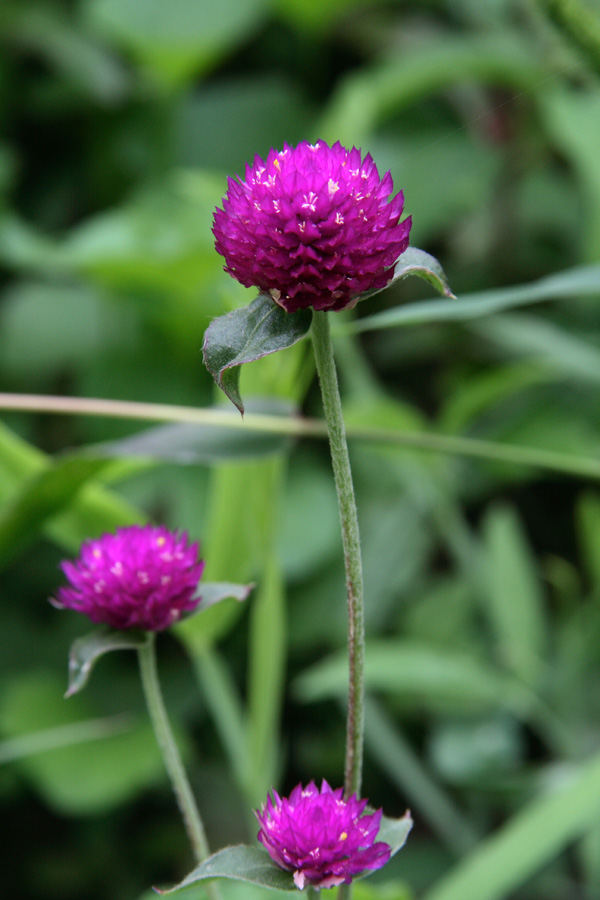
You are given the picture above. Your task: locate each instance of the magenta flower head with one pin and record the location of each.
(312, 225)
(320, 837)
(141, 577)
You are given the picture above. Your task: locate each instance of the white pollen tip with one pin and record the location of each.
(332, 187)
(299, 879)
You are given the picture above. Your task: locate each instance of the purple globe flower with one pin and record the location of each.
(312, 225)
(141, 577)
(320, 837)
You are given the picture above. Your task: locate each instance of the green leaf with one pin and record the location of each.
(214, 592)
(416, 674)
(176, 40)
(528, 841)
(78, 778)
(82, 732)
(581, 281)
(248, 334)
(543, 341)
(395, 831)
(188, 443)
(515, 601)
(40, 498)
(249, 864)
(588, 522)
(92, 511)
(254, 865)
(417, 262)
(86, 650)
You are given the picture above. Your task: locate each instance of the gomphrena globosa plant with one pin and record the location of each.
(316, 229)
(313, 226)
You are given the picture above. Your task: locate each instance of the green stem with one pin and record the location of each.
(171, 755)
(332, 406)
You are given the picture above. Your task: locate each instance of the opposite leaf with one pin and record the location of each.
(247, 334)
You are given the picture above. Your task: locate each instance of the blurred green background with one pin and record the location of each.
(120, 120)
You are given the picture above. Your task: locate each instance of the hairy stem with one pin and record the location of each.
(332, 406)
(172, 758)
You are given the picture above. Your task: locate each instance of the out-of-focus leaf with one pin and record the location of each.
(238, 534)
(389, 749)
(247, 334)
(188, 443)
(416, 675)
(41, 498)
(158, 241)
(222, 126)
(62, 736)
(309, 530)
(84, 62)
(76, 779)
(266, 677)
(544, 341)
(572, 283)
(573, 117)
(476, 395)
(588, 521)
(317, 14)
(529, 840)
(464, 752)
(513, 594)
(57, 325)
(93, 510)
(177, 40)
(86, 651)
(365, 97)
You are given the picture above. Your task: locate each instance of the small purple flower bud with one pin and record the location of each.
(312, 226)
(141, 577)
(320, 837)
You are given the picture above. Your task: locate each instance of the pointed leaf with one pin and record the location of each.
(247, 334)
(214, 592)
(395, 831)
(241, 863)
(417, 262)
(86, 650)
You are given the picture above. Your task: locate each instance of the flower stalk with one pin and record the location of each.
(171, 756)
(332, 405)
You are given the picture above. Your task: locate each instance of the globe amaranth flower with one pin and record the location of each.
(313, 226)
(140, 577)
(320, 837)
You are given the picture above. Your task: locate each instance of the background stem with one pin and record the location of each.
(332, 406)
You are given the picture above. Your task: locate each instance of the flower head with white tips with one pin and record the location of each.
(320, 837)
(143, 576)
(313, 226)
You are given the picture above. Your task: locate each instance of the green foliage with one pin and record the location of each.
(473, 432)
